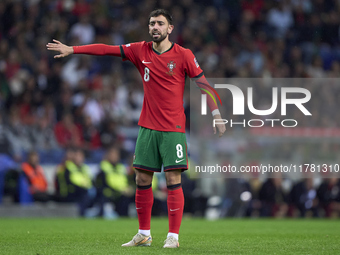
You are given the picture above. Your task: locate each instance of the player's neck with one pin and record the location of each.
(162, 46)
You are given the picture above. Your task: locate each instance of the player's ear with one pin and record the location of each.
(170, 28)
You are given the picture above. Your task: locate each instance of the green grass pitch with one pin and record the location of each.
(197, 236)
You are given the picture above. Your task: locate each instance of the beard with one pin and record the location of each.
(160, 38)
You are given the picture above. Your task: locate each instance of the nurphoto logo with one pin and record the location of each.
(239, 105)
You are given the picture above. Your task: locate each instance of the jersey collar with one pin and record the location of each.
(158, 53)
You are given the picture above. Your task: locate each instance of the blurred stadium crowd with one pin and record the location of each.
(94, 103)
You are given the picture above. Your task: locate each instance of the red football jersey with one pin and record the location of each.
(163, 77)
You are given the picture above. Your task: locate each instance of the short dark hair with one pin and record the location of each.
(159, 12)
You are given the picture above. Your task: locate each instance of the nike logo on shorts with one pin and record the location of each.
(177, 161)
(146, 62)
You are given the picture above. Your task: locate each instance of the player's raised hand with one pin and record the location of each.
(220, 126)
(63, 49)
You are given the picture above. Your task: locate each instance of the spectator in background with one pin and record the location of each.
(5, 146)
(280, 19)
(93, 108)
(272, 198)
(18, 134)
(61, 190)
(74, 182)
(108, 134)
(75, 70)
(193, 199)
(64, 102)
(329, 196)
(90, 135)
(25, 108)
(13, 63)
(36, 177)
(315, 70)
(83, 30)
(113, 184)
(52, 86)
(251, 55)
(43, 136)
(67, 132)
(81, 7)
(234, 205)
(133, 105)
(253, 8)
(48, 112)
(303, 197)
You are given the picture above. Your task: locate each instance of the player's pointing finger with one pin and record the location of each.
(54, 40)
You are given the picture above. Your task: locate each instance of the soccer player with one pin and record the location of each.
(163, 66)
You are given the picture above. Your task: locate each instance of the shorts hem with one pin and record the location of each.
(180, 167)
(145, 168)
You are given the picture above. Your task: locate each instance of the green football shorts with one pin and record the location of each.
(154, 148)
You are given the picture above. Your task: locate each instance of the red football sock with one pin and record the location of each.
(175, 208)
(144, 202)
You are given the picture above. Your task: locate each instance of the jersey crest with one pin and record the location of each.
(171, 66)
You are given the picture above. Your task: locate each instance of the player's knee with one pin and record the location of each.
(173, 177)
(143, 178)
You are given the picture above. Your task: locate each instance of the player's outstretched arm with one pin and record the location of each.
(63, 49)
(90, 49)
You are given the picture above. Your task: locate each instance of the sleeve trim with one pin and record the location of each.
(122, 52)
(198, 76)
